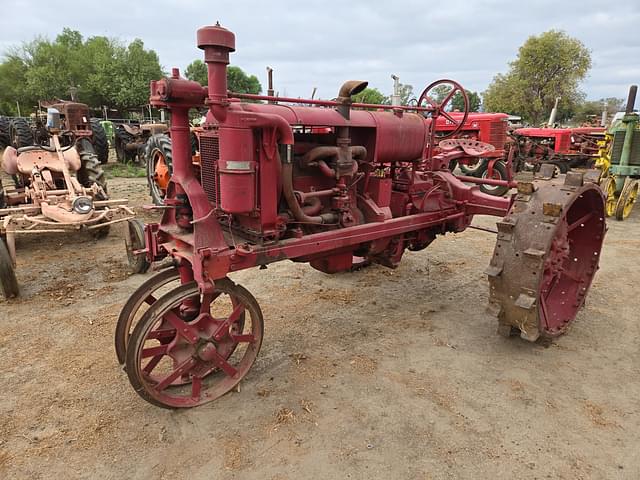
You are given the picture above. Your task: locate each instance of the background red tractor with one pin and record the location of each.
(564, 148)
(488, 128)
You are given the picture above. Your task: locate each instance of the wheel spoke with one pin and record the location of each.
(449, 96)
(244, 338)
(186, 331)
(580, 221)
(196, 387)
(432, 102)
(160, 334)
(235, 315)
(153, 363)
(225, 366)
(158, 350)
(207, 300)
(180, 370)
(449, 117)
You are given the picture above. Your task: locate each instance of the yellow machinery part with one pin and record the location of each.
(628, 197)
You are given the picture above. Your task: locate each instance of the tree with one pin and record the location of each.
(406, 93)
(197, 71)
(547, 66)
(592, 109)
(370, 95)
(457, 102)
(104, 71)
(237, 80)
(240, 82)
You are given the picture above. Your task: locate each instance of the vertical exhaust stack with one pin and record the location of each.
(217, 42)
(631, 99)
(554, 113)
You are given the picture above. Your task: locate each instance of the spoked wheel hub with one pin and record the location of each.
(546, 256)
(177, 359)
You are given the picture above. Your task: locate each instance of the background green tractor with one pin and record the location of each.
(620, 161)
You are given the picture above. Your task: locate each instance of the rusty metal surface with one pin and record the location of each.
(546, 255)
(471, 147)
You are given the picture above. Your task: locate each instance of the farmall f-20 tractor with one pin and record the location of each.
(323, 183)
(57, 187)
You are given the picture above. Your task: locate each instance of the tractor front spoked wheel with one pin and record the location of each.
(545, 258)
(138, 303)
(190, 348)
(627, 198)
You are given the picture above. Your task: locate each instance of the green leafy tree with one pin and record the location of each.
(547, 66)
(371, 95)
(197, 71)
(457, 102)
(238, 81)
(406, 93)
(104, 71)
(591, 110)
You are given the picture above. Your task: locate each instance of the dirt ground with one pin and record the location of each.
(373, 374)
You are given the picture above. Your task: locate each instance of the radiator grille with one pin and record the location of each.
(563, 143)
(209, 156)
(618, 142)
(498, 134)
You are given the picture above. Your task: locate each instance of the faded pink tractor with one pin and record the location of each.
(55, 187)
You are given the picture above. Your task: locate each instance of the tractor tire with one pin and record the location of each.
(5, 139)
(20, 133)
(99, 140)
(8, 280)
(90, 170)
(121, 140)
(474, 170)
(195, 143)
(134, 240)
(499, 173)
(158, 149)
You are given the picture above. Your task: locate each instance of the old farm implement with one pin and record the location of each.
(56, 187)
(325, 182)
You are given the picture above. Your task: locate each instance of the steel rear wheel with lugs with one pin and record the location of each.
(190, 348)
(546, 256)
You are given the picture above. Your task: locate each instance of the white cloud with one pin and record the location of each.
(324, 43)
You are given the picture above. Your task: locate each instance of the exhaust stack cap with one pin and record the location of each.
(216, 41)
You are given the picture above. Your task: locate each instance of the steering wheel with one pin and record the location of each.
(65, 133)
(439, 109)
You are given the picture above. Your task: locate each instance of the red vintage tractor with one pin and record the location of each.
(325, 183)
(488, 128)
(564, 148)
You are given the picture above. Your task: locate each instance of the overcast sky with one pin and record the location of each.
(321, 44)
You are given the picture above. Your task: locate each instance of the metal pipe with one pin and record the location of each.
(631, 99)
(327, 103)
(255, 119)
(292, 201)
(487, 181)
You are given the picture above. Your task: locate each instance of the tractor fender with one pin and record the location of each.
(10, 161)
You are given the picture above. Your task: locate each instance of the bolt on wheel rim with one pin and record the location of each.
(190, 348)
(571, 264)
